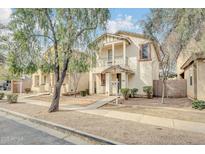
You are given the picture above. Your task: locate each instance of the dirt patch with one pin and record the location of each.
(70, 100)
(119, 130)
(160, 112)
(156, 102)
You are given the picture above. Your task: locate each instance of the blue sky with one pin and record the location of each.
(136, 13)
(126, 19)
(121, 19)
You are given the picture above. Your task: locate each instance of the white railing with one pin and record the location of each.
(102, 62)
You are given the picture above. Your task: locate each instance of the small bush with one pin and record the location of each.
(27, 90)
(1, 96)
(148, 90)
(198, 104)
(87, 91)
(83, 93)
(12, 98)
(133, 92)
(125, 93)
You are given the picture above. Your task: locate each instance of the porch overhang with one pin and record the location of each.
(117, 69)
(193, 57)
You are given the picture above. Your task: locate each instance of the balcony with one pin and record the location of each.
(103, 62)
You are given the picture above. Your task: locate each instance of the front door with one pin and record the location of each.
(119, 83)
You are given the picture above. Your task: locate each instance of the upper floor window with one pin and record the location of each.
(145, 52)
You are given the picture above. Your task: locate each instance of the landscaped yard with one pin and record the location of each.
(70, 100)
(119, 130)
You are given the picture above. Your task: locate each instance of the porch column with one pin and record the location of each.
(124, 53)
(33, 80)
(113, 54)
(108, 84)
(91, 83)
(41, 82)
(124, 80)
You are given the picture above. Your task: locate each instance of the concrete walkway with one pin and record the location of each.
(145, 119)
(100, 103)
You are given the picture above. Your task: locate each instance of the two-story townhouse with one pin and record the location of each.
(124, 60)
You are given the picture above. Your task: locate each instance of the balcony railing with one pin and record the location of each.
(102, 62)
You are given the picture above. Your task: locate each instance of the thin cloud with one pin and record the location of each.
(5, 16)
(123, 22)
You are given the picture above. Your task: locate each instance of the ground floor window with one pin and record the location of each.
(45, 79)
(190, 80)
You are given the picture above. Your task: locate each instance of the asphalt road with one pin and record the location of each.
(14, 133)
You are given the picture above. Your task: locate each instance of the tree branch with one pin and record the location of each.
(85, 29)
(39, 35)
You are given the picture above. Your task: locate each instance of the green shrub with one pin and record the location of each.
(83, 93)
(198, 104)
(27, 90)
(12, 98)
(133, 92)
(125, 93)
(87, 91)
(1, 96)
(148, 90)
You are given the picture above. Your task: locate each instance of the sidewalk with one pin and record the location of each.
(145, 119)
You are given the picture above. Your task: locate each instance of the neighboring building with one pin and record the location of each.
(124, 60)
(44, 82)
(191, 66)
(19, 85)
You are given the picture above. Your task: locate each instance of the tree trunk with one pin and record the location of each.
(163, 91)
(56, 97)
(57, 89)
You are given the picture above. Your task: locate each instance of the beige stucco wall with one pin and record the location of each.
(48, 84)
(174, 88)
(198, 81)
(83, 82)
(201, 80)
(185, 54)
(182, 58)
(190, 88)
(145, 71)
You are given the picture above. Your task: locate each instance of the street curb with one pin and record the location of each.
(62, 128)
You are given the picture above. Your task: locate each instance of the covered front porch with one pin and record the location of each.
(110, 80)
